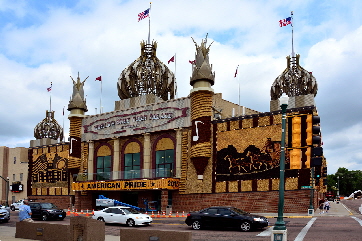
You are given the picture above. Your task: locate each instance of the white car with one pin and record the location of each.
(122, 215)
(4, 214)
(16, 205)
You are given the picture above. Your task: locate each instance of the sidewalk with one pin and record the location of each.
(8, 234)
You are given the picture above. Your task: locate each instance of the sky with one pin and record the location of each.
(44, 42)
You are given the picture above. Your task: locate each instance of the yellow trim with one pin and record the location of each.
(165, 183)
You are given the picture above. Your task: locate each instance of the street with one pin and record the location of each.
(336, 225)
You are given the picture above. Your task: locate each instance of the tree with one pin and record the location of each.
(349, 181)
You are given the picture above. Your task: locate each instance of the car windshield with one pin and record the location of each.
(48, 205)
(238, 211)
(130, 211)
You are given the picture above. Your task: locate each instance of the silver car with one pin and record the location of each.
(4, 214)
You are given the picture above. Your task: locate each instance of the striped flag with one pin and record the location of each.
(285, 22)
(143, 14)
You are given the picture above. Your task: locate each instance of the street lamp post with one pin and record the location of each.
(280, 230)
(6, 190)
(338, 187)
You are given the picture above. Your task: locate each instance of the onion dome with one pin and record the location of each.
(147, 75)
(48, 128)
(294, 81)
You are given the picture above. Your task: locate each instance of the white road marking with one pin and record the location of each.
(358, 220)
(304, 231)
(267, 232)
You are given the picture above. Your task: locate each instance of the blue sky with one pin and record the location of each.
(48, 41)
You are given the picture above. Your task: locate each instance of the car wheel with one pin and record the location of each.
(12, 208)
(100, 219)
(44, 217)
(245, 226)
(196, 225)
(130, 223)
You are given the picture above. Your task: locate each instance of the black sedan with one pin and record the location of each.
(46, 211)
(225, 217)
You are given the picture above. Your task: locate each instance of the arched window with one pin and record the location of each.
(164, 162)
(132, 163)
(103, 163)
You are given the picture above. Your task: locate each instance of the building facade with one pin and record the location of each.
(157, 152)
(14, 173)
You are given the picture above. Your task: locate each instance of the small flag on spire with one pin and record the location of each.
(99, 78)
(172, 59)
(285, 22)
(236, 71)
(192, 61)
(143, 14)
(50, 88)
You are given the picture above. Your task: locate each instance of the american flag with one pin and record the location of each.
(143, 14)
(285, 22)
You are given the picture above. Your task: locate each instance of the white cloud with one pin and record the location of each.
(102, 38)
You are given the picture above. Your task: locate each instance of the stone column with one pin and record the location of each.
(178, 152)
(147, 165)
(90, 160)
(116, 160)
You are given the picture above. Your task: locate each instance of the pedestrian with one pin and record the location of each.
(321, 206)
(326, 205)
(25, 212)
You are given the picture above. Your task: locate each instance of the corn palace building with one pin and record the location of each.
(155, 151)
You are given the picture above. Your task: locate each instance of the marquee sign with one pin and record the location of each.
(166, 183)
(131, 122)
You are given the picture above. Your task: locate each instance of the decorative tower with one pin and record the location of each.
(77, 107)
(297, 83)
(201, 109)
(146, 76)
(47, 132)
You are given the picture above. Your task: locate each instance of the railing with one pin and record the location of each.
(126, 175)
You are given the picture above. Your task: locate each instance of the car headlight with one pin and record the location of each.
(51, 211)
(258, 219)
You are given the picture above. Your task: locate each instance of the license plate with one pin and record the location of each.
(60, 216)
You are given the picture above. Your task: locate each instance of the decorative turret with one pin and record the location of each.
(202, 75)
(296, 82)
(147, 75)
(77, 105)
(201, 111)
(48, 128)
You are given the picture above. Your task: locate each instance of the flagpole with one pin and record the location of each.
(292, 36)
(63, 125)
(50, 99)
(149, 25)
(100, 103)
(174, 82)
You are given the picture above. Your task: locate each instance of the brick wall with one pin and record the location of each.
(296, 201)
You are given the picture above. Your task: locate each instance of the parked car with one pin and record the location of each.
(15, 206)
(46, 211)
(122, 215)
(225, 217)
(4, 214)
